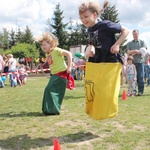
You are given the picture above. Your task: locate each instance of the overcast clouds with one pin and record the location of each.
(134, 14)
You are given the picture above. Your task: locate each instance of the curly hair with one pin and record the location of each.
(50, 38)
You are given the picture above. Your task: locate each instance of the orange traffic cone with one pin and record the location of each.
(56, 144)
(124, 95)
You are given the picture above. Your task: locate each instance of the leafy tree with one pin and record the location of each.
(1, 51)
(77, 34)
(4, 41)
(1, 40)
(22, 50)
(83, 35)
(12, 38)
(19, 36)
(41, 52)
(27, 36)
(59, 27)
(110, 13)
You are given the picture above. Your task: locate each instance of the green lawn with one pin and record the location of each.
(24, 127)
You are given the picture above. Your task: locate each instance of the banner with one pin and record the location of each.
(102, 85)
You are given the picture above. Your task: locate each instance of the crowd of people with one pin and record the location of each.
(13, 71)
(78, 68)
(136, 68)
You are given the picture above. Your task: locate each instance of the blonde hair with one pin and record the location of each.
(50, 38)
(92, 7)
(10, 55)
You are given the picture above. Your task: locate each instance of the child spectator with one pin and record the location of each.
(131, 76)
(80, 71)
(23, 75)
(16, 78)
(73, 68)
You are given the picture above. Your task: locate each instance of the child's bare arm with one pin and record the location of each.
(123, 35)
(69, 57)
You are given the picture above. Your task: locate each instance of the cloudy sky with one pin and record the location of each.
(134, 14)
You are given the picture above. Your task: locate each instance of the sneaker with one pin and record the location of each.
(132, 94)
(140, 94)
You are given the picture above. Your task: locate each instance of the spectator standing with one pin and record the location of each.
(147, 69)
(146, 65)
(6, 68)
(133, 50)
(80, 71)
(12, 63)
(131, 76)
(73, 68)
(1, 64)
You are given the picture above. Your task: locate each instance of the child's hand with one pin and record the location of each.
(90, 51)
(114, 49)
(68, 69)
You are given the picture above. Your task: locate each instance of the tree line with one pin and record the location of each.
(22, 44)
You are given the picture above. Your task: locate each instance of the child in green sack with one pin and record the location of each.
(56, 87)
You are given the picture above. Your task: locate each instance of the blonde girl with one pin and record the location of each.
(56, 87)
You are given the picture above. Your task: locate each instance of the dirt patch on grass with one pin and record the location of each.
(139, 127)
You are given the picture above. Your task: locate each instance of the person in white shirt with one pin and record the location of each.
(1, 64)
(12, 69)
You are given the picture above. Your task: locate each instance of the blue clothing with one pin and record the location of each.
(73, 72)
(1, 83)
(102, 37)
(13, 81)
(140, 76)
(80, 73)
(148, 73)
(146, 67)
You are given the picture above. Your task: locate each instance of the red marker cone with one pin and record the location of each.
(56, 144)
(124, 95)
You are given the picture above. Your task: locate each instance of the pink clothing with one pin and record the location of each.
(80, 62)
(1, 63)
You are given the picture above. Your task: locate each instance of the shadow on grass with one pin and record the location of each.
(26, 142)
(22, 114)
(73, 97)
(120, 96)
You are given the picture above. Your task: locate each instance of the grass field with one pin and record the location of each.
(24, 127)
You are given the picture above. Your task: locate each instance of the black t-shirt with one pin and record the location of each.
(102, 36)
